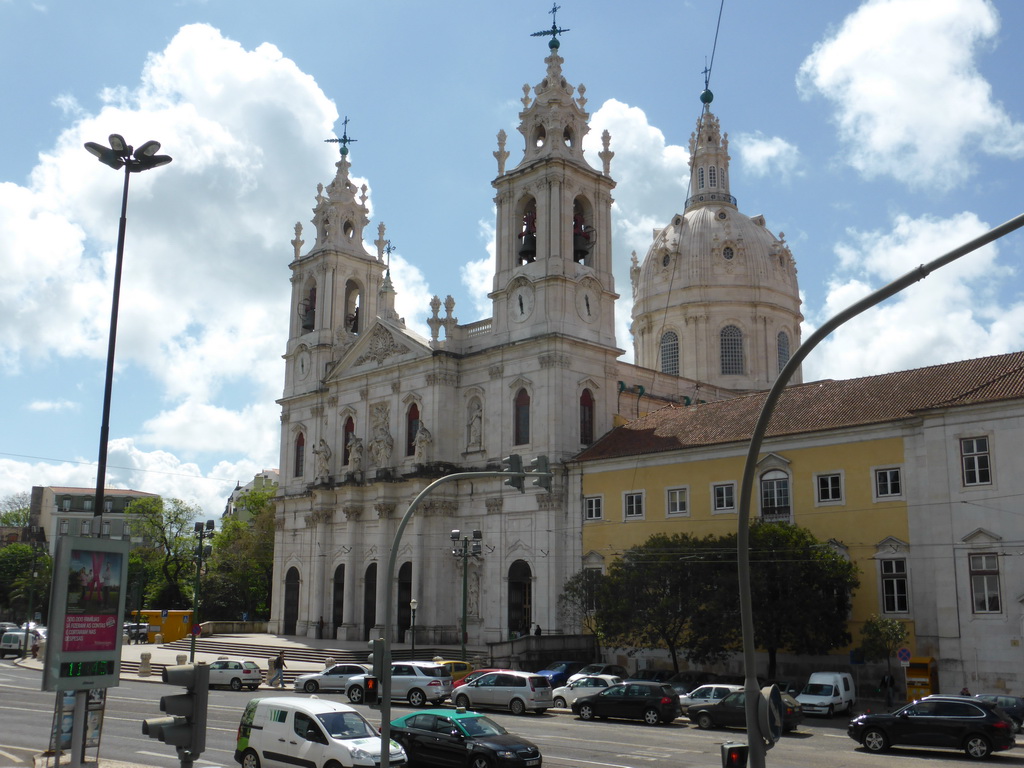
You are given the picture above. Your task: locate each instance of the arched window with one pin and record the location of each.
(307, 309)
(712, 178)
(412, 426)
(349, 431)
(586, 417)
(700, 178)
(775, 503)
(782, 345)
(353, 302)
(731, 340)
(670, 353)
(520, 597)
(300, 455)
(521, 427)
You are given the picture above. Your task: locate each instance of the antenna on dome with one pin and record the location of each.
(344, 140)
(555, 30)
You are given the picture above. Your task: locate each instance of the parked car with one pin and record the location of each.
(1011, 705)
(458, 669)
(136, 631)
(476, 674)
(827, 693)
(278, 731)
(976, 726)
(513, 690)
(653, 675)
(334, 678)
(582, 686)
(599, 669)
(442, 737)
(730, 712)
(415, 681)
(558, 671)
(12, 643)
(707, 694)
(236, 675)
(636, 700)
(7, 626)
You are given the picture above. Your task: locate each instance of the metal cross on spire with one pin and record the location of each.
(387, 250)
(344, 140)
(555, 30)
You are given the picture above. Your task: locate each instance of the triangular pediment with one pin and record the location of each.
(382, 344)
(982, 537)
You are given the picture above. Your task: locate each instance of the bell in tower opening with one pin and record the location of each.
(528, 248)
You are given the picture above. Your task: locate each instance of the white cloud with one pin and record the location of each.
(953, 314)
(53, 405)
(478, 275)
(909, 100)
(764, 155)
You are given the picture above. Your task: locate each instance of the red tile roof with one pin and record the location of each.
(819, 406)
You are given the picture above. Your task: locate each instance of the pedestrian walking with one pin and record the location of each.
(888, 689)
(277, 667)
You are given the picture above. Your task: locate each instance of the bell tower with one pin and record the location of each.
(337, 286)
(553, 240)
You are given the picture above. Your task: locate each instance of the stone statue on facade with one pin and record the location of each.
(421, 444)
(475, 426)
(355, 453)
(323, 455)
(383, 442)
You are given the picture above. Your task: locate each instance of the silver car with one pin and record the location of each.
(236, 674)
(415, 681)
(334, 678)
(515, 691)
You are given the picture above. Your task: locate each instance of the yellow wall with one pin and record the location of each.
(859, 523)
(177, 625)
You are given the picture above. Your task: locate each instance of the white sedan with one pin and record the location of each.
(236, 674)
(707, 694)
(584, 686)
(334, 678)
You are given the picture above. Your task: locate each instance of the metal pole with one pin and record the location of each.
(755, 739)
(195, 597)
(413, 630)
(465, 591)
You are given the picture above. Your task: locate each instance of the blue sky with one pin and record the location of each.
(876, 135)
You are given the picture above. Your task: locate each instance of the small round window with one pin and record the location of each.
(721, 214)
(727, 252)
(665, 260)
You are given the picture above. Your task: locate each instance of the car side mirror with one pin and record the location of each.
(456, 733)
(904, 714)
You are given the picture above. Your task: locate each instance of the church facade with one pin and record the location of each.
(373, 412)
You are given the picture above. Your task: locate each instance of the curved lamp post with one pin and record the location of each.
(412, 607)
(118, 155)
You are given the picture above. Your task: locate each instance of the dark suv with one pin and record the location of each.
(954, 722)
(636, 700)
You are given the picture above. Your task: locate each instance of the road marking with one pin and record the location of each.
(9, 756)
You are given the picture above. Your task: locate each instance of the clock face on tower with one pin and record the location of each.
(302, 364)
(520, 305)
(588, 303)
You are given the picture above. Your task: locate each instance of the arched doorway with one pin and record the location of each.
(369, 600)
(404, 596)
(338, 602)
(520, 598)
(291, 601)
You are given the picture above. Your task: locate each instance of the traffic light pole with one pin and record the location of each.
(185, 726)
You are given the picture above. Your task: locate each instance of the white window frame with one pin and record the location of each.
(672, 496)
(886, 574)
(975, 461)
(876, 471)
(85, 528)
(983, 570)
(829, 502)
(106, 529)
(761, 480)
(593, 508)
(63, 527)
(720, 510)
(628, 497)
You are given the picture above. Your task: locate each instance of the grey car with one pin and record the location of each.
(415, 681)
(335, 678)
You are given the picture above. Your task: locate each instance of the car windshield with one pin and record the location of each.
(817, 689)
(558, 666)
(346, 725)
(480, 726)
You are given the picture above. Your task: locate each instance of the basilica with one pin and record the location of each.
(372, 412)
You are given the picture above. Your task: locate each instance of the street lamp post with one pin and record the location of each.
(412, 629)
(207, 532)
(36, 537)
(118, 155)
(469, 548)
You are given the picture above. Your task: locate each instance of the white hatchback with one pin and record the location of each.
(582, 686)
(236, 675)
(707, 694)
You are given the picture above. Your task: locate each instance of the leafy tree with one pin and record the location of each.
(240, 571)
(882, 638)
(14, 509)
(577, 605)
(16, 576)
(169, 551)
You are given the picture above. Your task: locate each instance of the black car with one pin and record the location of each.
(953, 722)
(730, 712)
(1011, 705)
(636, 700)
(446, 737)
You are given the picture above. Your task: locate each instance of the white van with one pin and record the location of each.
(827, 693)
(279, 732)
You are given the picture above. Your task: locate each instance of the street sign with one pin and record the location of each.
(197, 629)
(903, 654)
(769, 712)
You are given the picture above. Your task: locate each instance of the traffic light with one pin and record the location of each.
(542, 473)
(372, 691)
(734, 755)
(513, 464)
(185, 729)
(371, 688)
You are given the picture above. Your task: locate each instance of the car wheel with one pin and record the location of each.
(479, 761)
(977, 747)
(704, 721)
(831, 711)
(559, 702)
(254, 687)
(250, 759)
(516, 706)
(236, 684)
(310, 686)
(462, 700)
(875, 740)
(355, 694)
(416, 698)
(586, 712)
(652, 716)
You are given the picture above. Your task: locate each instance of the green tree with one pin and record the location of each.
(882, 638)
(16, 578)
(168, 554)
(577, 605)
(14, 509)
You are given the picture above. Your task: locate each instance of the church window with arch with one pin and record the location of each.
(731, 342)
(670, 353)
(775, 499)
(307, 308)
(712, 176)
(700, 178)
(300, 455)
(586, 417)
(412, 426)
(521, 425)
(782, 347)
